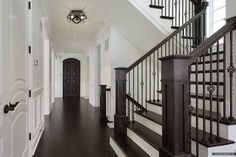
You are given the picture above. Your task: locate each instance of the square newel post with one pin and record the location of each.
(120, 119)
(175, 111)
(103, 116)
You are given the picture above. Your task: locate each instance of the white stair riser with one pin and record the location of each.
(154, 108)
(150, 150)
(223, 128)
(226, 132)
(116, 148)
(149, 124)
(207, 152)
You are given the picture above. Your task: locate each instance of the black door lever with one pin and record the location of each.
(14, 105)
(8, 108)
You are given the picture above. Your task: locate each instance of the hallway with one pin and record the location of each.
(73, 130)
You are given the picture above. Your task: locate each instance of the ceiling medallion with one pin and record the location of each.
(76, 16)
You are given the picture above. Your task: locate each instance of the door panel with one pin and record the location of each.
(13, 82)
(71, 78)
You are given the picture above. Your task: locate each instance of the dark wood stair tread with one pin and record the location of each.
(200, 113)
(151, 116)
(209, 62)
(207, 114)
(222, 141)
(155, 102)
(146, 134)
(167, 17)
(207, 143)
(207, 97)
(207, 71)
(156, 6)
(175, 27)
(187, 37)
(213, 53)
(128, 147)
(208, 83)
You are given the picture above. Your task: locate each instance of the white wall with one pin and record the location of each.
(59, 57)
(230, 8)
(99, 66)
(121, 53)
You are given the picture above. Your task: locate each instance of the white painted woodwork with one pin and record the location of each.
(150, 150)
(37, 118)
(13, 82)
(116, 148)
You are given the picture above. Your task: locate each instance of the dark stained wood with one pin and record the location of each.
(207, 97)
(120, 118)
(73, 130)
(136, 103)
(172, 35)
(146, 134)
(207, 83)
(167, 17)
(103, 105)
(201, 49)
(219, 142)
(156, 6)
(158, 119)
(209, 62)
(71, 78)
(200, 114)
(128, 147)
(175, 110)
(208, 71)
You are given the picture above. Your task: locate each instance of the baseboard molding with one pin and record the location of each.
(37, 136)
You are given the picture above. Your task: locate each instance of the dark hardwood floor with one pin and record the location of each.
(73, 130)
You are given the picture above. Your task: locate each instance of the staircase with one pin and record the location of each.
(178, 99)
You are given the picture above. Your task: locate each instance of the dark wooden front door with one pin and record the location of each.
(71, 78)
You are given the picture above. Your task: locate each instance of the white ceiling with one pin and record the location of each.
(69, 37)
(120, 14)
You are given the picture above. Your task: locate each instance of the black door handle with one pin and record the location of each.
(14, 105)
(8, 108)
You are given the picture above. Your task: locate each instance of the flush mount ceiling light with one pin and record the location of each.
(77, 16)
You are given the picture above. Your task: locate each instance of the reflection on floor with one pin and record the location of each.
(73, 130)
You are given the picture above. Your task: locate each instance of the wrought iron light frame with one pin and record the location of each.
(77, 16)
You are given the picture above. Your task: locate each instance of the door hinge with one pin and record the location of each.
(30, 136)
(29, 5)
(29, 49)
(30, 93)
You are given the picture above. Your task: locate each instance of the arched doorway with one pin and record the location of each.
(71, 78)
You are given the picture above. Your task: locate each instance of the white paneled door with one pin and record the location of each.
(13, 78)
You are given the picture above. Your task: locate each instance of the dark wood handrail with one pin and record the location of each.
(136, 103)
(205, 5)
(202, 48)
